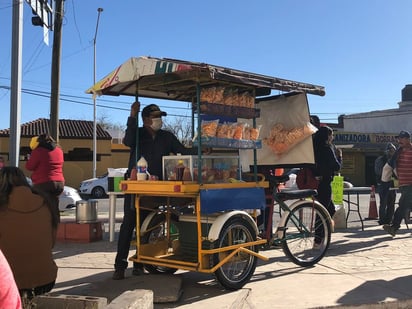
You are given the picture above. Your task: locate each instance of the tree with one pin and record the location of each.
(115, 130)
(180, 126)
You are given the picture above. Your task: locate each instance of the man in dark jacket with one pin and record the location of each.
(154, 143)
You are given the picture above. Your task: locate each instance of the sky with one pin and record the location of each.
(360, 51)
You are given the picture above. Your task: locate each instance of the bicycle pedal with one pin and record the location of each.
(276, 243)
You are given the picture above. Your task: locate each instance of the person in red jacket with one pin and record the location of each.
(46, 164)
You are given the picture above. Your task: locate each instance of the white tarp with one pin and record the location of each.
(291, 111)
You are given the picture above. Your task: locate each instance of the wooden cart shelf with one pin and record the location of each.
(177, 188)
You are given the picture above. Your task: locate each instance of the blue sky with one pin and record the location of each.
(360, 51)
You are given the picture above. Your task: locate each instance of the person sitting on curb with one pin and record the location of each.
(401, 163)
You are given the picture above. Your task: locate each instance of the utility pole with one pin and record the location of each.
(99, 10)
(55, 71)
(15, 96)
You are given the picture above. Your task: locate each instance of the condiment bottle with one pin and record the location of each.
(133, 174)
(141, 169)
(180, 168)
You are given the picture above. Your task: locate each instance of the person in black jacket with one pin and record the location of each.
(154, 143)
(328, 161)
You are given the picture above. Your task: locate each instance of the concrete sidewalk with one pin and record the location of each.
(361, 268)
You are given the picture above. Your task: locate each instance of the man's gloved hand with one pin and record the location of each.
(135, 109)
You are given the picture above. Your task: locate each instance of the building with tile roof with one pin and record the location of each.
(76, 140)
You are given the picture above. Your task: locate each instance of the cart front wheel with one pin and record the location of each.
(307, 234)
(237, 271)
(158, 230)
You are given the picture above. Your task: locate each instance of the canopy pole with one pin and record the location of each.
(199, 134)
(137, 124)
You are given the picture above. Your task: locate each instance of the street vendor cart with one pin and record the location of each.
(216, 230)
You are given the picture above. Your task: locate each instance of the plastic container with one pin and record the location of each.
(141, 169)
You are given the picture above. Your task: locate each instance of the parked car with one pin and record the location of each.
(67, 199)
(98, 187)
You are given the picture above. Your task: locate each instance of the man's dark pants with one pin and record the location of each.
(405, 204)
(126, 232)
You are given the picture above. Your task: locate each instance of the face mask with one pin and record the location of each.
(156, 124)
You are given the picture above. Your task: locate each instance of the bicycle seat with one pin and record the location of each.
(276, 180)
(295, 194)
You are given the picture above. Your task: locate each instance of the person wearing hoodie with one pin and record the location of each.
(28, 229)
(387, 197)
(46, 164)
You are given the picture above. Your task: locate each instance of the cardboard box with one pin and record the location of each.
(79, 232)
(114, 177)
(113, 183)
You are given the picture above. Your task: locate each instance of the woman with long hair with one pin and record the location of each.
(328, 161)
(27, 224)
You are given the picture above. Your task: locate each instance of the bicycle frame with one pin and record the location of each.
(298, 197)
(304, 231)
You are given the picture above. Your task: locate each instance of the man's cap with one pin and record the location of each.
(152, 110)
(390, 146)
(404, 134)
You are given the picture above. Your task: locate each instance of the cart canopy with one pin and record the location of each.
(177, 80)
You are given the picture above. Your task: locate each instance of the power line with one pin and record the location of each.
(104, 103)
(88, 101)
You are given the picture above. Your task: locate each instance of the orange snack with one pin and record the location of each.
(281, 140)
(238, 130)
(209, 128)
(222, 130)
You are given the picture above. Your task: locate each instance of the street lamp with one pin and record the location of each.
(99, 10)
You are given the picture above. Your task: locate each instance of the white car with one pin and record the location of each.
(98, 187)
(68, 198)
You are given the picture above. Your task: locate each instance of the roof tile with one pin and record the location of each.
(73, 129)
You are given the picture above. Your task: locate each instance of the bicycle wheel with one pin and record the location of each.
(307, 234)
(158, 230)
(236, 272)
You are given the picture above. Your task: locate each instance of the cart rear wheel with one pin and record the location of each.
(307, 234)
(237, 271)
(158, 230)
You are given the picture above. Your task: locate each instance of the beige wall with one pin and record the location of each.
(76, 171)
(353, 167)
